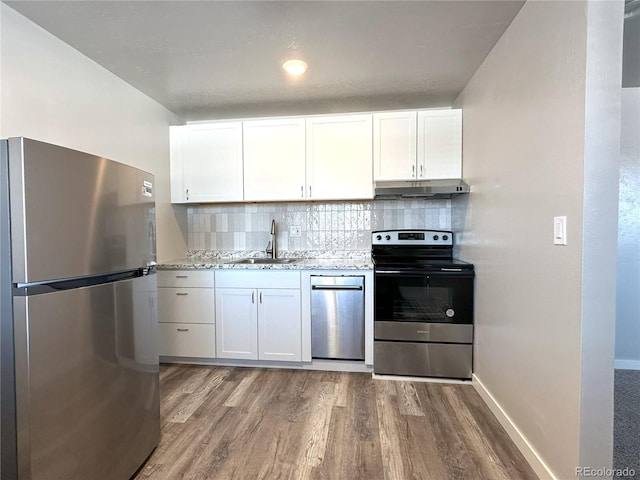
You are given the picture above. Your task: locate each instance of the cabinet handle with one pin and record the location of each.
(253, 297)
(421, 171)
(182, 276)
(260, 297)
(309, 191)
(413, 170)
(187, 193)
(182, 294)
(301, 191)
(182, 329)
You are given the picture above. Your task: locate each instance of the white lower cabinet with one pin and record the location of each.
(186, 314)
(237, 313)
(279, 335)
(259, 323)
(187, 340)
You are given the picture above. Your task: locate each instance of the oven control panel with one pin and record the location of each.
(412, 237)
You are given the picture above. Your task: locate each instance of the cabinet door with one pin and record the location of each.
(212, 162)
(339, 157)
(237, 323)
(439, 144)
(394, 146)
(177, 151)
(274, 159)
(279, 325)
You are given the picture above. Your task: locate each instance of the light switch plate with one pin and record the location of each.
(294, 231)
(560, 230)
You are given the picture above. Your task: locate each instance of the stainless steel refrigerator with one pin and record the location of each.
(79, 370)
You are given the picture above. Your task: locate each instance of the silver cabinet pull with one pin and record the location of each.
(182, 276)
(421, 171)
(309, 191)
(182, 294)
(187, 193)
(253, 297)
(413, 170)
(301, 191)
(182, 329)
(260, 297)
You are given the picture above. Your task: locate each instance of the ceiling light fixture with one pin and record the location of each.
(295, 67)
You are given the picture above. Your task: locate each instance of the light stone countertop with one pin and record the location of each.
(316, 260)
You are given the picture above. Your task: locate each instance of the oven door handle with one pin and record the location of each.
(411, 272)
(428, 273)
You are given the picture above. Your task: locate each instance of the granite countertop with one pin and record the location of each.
(316, 260)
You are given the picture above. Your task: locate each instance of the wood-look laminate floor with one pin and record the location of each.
(223, 423)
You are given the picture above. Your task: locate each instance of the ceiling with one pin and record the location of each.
(222, 59)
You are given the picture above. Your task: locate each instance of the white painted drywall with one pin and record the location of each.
(53, 93)
(605, 22)
(527, 113)
(628, 301)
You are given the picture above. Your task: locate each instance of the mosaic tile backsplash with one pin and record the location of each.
(336, 226)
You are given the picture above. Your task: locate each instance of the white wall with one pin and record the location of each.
(628, 301)
(531, 152)
(53, 93)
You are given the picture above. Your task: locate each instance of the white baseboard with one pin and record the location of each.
(527, 450)
(623, 364)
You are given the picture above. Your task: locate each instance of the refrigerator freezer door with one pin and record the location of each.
(88, 404)
(75, 214)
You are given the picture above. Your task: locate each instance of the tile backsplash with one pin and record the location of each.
(336, 226)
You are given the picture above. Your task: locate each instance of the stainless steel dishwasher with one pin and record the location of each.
(337, 317)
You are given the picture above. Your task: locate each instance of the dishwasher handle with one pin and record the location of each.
(336, 287)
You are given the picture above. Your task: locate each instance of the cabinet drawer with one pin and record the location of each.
(186, 305)
(185, 278)
(186, 340)
(258, 279)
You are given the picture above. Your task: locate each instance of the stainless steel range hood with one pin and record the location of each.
(427, 189)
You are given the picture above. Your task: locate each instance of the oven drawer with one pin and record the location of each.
(423, 359)
(424, 332)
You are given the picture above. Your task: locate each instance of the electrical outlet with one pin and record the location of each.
(295, 231)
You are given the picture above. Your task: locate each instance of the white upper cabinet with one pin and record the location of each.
(439, 144)
(394, 147)
(324, 157)
(177, 147)
(206, 162)
(274, 159)
(423, 145)
(339, 157)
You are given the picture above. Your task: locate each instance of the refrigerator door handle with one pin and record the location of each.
(29, 289)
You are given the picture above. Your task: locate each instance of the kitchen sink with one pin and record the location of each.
(265, 261)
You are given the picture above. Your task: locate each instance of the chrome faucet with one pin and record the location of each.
(272, 246)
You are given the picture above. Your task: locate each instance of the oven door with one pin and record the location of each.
(405, 295)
